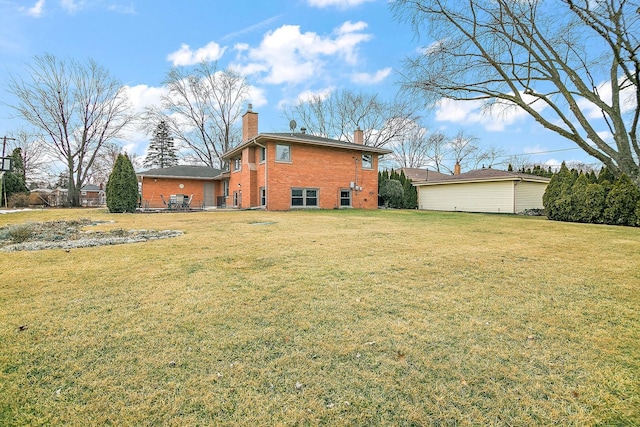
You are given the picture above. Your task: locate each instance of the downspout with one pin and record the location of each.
(515, 184)
(266, 163)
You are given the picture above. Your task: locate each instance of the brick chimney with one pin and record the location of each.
(456, 169)
(249, 124)
(358, 136)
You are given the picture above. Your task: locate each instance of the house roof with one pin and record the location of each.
(482, 175)
(303, 138)
(418, 174)
(90, 187)
(181, 171)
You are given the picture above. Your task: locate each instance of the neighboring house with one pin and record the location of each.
(284, 171)
(160, 184)
(482, 190)
(92, 195)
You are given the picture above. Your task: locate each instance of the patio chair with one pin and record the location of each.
(187, 202)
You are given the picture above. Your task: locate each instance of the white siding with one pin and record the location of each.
(468, 197)
(529, 195)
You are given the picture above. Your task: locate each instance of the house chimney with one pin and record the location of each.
(249, 124)
(456, 169)
(358, 136)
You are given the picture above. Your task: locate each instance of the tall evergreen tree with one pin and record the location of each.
(557, 196)
(162, 151)
(587, 201)
(621, 202)
(122, 187)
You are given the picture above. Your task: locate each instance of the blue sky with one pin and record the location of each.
(286, 48)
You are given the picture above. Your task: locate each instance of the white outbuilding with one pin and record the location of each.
(483, 190)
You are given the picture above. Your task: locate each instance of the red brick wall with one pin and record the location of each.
(325, 168)
(152, 188)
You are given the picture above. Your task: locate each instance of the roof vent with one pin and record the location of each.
(303, 130)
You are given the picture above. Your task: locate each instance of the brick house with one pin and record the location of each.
(284, 171)
(196, 182)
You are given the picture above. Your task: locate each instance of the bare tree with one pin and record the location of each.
(411, 149)
(103, 164)
(79, 108)
(464, 150)
(201, 109)
(34, 151)
(338, 114)
(547, 58)
(489, 157)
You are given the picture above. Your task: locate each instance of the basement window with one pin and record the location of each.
(345, 198)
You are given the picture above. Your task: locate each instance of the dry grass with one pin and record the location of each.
(330, 317)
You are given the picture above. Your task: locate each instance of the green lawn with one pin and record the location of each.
(324, 318)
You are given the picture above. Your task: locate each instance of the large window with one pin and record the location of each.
(304, 197)
(367, 161)
(283, 153)
(345, 198)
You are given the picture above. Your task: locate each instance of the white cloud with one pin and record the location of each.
(35, 11)
(142, 96)
(123, 9)
(494, 117)
(72, 6)
(287, 55)
(185, 56)
(370, 79)
(340, 4)
(257, 97)
(309, 95)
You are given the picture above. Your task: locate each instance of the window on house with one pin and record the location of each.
(283, 153)
(236, 198)
(345, 198)
(304, 197)
(263, 196)
(237, 163)
(262, 154)
(225, 188)
(367, 161)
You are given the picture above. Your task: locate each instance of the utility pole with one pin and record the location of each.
(4, 143)
(2, 167)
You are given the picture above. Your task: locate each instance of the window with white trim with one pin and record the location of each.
(345, 198)
(263, 196)
(304, 197)
(283, 153)
(237, 163)
(367, 161)
(225, 188)
(262, 154)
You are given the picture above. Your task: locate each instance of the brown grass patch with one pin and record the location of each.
(327, 317)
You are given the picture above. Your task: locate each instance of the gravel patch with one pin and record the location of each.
(67, 235)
